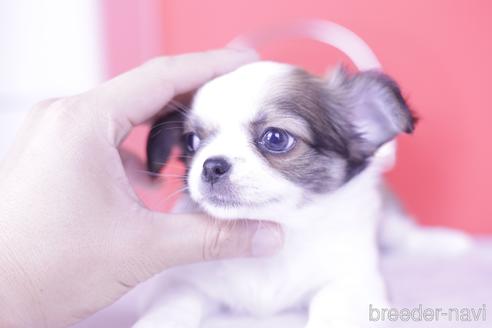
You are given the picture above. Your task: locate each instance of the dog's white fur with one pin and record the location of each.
(329, 262)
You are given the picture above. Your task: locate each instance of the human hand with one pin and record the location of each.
(74, 236)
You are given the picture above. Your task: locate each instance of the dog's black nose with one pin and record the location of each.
(214, 168)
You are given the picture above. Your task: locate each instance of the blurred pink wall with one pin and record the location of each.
(440, 51)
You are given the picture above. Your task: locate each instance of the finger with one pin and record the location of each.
(135, 96)
(170, 240)
(200, 238)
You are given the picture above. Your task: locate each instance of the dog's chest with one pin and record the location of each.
(310, 259)
(264, 286)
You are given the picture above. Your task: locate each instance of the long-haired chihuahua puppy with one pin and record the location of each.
(271, 141)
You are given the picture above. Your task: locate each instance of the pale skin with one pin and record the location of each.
(74, 237)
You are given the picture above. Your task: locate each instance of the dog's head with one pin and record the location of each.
(272, 134)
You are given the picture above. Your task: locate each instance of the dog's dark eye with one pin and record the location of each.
(276, 140)
(192, 142)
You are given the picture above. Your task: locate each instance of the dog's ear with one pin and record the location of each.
(166, 132)
(374, 107)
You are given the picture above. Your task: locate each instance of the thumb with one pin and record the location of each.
(167, 240)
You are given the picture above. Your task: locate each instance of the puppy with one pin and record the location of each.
(271, 141)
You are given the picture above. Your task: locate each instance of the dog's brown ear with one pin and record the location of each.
(166, 132)
(374, 106)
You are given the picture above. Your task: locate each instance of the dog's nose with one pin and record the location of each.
(214, 168)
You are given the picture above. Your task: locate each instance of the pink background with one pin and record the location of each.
(440, 52)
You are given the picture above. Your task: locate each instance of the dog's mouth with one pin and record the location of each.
(230, 201)
(220, 195)
(222, 201)
(233, 204)
(228, 197)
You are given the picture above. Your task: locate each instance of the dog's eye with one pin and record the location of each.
(276, 140)
(192, 142)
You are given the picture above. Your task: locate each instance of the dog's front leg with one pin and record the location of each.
(346, 303)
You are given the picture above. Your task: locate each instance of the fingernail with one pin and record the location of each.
(267, 240)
